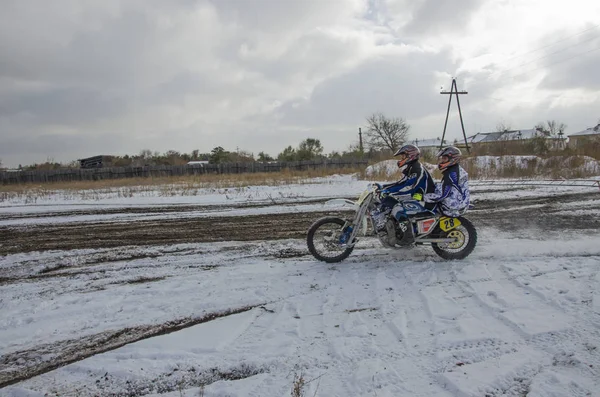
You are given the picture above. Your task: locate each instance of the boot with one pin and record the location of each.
(408, 235)
(380, 218)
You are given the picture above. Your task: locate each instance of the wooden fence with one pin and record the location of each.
(79, 174)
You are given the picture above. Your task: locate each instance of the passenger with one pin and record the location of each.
(451, 194)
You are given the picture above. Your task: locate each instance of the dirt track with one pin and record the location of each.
(537, 212)
(104, 235)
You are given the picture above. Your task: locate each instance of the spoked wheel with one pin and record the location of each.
(466, 236)
(327, 240)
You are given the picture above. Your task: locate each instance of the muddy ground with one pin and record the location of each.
(544, 213)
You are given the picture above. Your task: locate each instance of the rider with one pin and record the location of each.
(416, 182)
(452, 193)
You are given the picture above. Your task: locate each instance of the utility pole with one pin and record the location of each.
(454, 90)
(360, 143)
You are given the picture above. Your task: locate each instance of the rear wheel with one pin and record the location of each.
(466, 236)
(326, 240)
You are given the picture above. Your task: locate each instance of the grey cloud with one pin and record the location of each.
(283, 17)
(90, 77)
(73, 106)
(121, 49)
(433, 17)
(312, 55)
(103, 78)
(576, 67)
(29, 148)
(395, 85)
(185, 83)
(81, 78)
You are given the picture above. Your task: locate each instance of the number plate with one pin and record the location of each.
(448, 223)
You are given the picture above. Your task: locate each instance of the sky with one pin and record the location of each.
(85, 77)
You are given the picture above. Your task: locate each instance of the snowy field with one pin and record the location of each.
(230, 311)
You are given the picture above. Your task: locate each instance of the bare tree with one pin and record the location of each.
(145, 154)
(556, 128)
(383, 133)
(551, 128)
(503, 126)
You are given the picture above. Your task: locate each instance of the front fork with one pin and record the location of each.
(358, 221)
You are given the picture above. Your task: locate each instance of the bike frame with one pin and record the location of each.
(359, 222)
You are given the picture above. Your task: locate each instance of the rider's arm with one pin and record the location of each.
(403, 185)
(409, 183)
(449, 180)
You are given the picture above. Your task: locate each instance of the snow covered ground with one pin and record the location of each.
(520, 316)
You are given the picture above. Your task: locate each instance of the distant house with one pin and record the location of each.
(491, 140)
(585, 137)
(197, 162)
(483, 138)
(96, 161)
(427, 145)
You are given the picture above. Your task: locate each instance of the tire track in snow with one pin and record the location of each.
(72, 351)
(387, 300)
(564, 305)
(583, 331)
(464, 334)
(549, 342)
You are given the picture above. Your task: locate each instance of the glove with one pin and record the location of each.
(418, 196)
(384, 192)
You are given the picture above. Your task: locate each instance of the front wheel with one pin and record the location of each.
(466, 236)
(326, 240)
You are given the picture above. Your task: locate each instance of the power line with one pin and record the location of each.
(555, 63)
(545, 66)
(554, 43)
(543, 57)
(547, 97)
(499, 72)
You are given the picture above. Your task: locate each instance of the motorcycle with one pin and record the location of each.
(450, 237)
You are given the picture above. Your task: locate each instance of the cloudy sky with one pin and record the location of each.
(86, 77)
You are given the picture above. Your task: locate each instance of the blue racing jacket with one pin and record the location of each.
(416, 180)
(453, 192)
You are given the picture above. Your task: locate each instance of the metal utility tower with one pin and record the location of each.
(454, 90)
(360, 140)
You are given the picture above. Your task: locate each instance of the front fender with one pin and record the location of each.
(340, 201)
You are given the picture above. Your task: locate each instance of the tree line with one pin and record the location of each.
(382, 137)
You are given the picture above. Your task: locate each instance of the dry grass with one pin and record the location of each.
(166, 186)
(298, 386)
(551, 166)
(232, 185)
(534, 167)
(204, 180)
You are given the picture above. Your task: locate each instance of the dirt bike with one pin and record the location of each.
(450, 237)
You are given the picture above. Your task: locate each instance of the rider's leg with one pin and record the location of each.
(402, 213)
(380, 215)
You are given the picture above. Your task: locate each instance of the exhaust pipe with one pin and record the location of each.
(436, 240)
